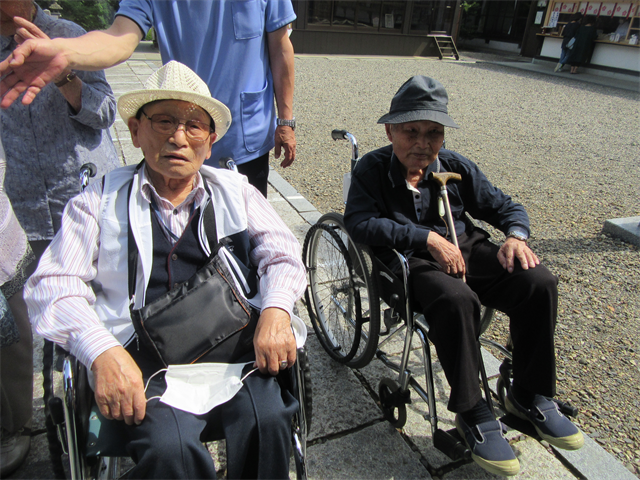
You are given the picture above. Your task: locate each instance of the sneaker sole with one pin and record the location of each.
(505, 468)
(572, 442)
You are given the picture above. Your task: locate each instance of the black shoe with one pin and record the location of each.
(15, 447)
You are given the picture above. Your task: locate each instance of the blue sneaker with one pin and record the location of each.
(489, 448)
(548, 421)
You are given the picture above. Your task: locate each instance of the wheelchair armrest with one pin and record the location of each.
(105, 437)
(394, 288)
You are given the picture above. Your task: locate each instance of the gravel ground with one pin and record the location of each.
(568, 151)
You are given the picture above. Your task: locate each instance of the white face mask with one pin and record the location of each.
(200, 387)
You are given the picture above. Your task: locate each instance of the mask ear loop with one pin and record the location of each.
(149, 380)
(242, 379)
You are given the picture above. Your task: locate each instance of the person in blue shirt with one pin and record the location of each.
(392, 204)
(241, 49)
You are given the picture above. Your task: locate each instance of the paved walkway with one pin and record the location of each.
(349, 437)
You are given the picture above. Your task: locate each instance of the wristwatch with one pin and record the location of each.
(517, 236)
(70, 76)
(286, 123)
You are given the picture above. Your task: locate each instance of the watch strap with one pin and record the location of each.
(68, 78)
(517, 235)
(286, 123)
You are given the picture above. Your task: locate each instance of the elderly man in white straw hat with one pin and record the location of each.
(162, 224)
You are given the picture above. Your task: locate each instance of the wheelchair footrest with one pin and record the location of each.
(567, 409)
(451, 444)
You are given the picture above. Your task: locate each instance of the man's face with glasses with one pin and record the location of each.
(175, 137)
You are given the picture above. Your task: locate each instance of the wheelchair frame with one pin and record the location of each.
(94, 445)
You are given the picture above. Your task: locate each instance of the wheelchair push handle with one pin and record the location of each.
(337, 134)
(228, 163)
(87, 171)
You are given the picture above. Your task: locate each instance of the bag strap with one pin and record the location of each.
(209, 222)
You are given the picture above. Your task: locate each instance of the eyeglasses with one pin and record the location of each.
(168, 125)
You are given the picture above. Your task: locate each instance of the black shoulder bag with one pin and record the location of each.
(205, 319)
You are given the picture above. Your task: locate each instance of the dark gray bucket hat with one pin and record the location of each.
(420, 98)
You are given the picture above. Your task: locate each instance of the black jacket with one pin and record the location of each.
(380, 209)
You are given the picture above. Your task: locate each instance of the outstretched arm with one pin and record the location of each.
(281, 59)
(37, 62)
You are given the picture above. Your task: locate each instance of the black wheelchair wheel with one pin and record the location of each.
(342, 299)
(330, 296)
(501, 390)
(54, 415)
(307, 386)
(393, 408)
(67, 417)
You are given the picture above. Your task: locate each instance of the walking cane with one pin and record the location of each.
(444, 208)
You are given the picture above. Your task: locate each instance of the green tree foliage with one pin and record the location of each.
(89, 14)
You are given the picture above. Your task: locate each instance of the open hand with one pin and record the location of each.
(26, 30)
(513, 248)
(29, 68)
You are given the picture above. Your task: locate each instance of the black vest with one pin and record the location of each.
(173, 264)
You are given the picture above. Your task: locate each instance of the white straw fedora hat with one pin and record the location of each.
(175, 81)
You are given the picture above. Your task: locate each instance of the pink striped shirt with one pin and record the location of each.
(174, 218)
(59, 294)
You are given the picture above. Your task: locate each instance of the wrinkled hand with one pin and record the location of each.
(274, 341)
(119, 388)
(446, 254)
(285, 137)
(25, 30)
(29, 68)
(29, 31)
(514, 248)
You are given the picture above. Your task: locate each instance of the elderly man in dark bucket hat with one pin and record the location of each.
(391, 204)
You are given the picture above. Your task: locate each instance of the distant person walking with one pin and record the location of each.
(583, 46)
(568, 32)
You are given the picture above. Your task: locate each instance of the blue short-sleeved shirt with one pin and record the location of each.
(225, 43)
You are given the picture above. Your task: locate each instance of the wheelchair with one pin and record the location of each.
(83, 444)
(357, 305)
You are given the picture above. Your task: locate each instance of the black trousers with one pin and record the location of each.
(257, 172)
(256, 424)
(452, 309)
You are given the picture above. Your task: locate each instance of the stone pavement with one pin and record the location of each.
(349, 437)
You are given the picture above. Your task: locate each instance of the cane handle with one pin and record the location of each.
(444, 177)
